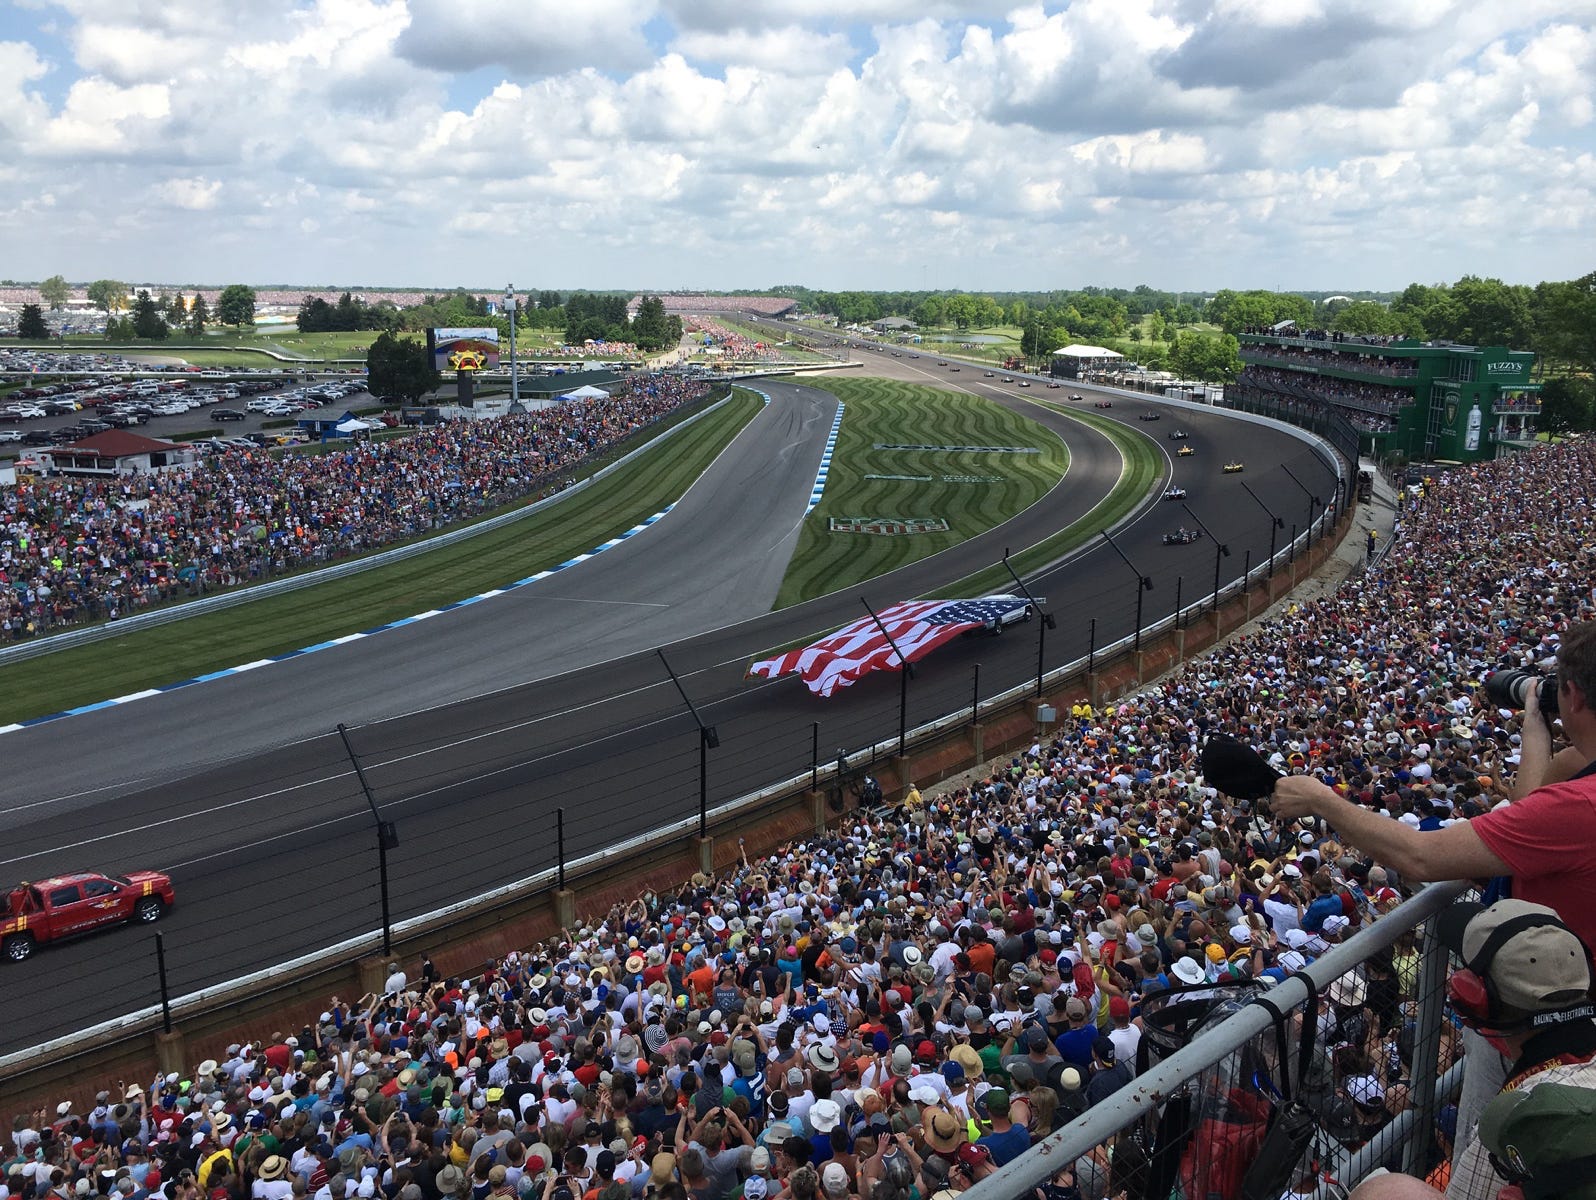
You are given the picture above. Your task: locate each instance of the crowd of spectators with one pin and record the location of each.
(75, 550)
(698, 302)
(732, 345)
(1368, 407)
(1396, 368)
(901, 1006)
(1324, 335)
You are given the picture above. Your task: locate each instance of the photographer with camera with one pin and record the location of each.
(1541, 840)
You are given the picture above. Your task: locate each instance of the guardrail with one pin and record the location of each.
(1153, 1096)
(151, 618)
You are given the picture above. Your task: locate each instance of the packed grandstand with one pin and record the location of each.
(901, 1006)
(74, 550)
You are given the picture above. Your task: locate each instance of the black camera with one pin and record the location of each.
(1511, 689)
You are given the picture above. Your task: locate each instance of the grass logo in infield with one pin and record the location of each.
(888, 526)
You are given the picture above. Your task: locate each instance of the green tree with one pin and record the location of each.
(30, 324)
(1565, 321)
(53, 291)
(149, 319)
(961, 310)
(110, 295)
(400, 367)
(1365, 317)
(236, 305)
(177, 311)
(931, 313)
(1493, 313)
(199, 314)
(1567, 406)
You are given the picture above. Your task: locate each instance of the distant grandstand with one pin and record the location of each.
(695, 302)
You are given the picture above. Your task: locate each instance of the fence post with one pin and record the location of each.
(1426, 1045)
(160, 974)
(814, 756)
(559, 843)
(975, 696)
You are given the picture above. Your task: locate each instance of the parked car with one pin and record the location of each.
(226, 414)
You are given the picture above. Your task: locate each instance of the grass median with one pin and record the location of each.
(276, 624)
(1143, 467)
(970, 489)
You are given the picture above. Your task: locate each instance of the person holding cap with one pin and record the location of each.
(1525, 987)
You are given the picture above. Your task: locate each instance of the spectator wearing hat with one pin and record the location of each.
(1126, 1035)
(1003, 1139)
(1075, 1043)
(1108, 1073)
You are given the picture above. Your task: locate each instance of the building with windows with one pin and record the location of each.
(1423, 400)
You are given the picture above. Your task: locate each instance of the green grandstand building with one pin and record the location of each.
(1426, 401)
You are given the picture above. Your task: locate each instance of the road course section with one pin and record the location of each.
(270, 842)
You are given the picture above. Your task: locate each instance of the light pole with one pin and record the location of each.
(1275, 522)
(509, 308)
(708, 740)
(1143, 584)
(387, 838)
(1221, 550)
(904, 675)
(1313, 500)
(1044, 623)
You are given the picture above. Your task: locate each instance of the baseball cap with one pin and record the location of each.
(759, 1160)
(1075, 1008)
(1545, 1138)
(1535, 962)
(1118, 1007)
(834, 1179)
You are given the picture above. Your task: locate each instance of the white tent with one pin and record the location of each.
(586, 392)
(1076, 350)
(356, 425)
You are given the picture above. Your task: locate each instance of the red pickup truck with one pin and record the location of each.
(68, 905)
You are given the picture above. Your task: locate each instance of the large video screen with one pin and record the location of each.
(463, 349)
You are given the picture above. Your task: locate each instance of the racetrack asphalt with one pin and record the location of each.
(476, 725)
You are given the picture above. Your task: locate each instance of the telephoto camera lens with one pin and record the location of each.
(1511, 689)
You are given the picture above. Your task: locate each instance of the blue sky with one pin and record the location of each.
(1188, 144)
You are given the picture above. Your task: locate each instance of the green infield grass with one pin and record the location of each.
(1143, 469)
(273, 625)
(970, 490)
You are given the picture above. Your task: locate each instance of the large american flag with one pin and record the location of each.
(917, 626)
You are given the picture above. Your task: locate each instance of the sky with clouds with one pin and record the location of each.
(687, 144)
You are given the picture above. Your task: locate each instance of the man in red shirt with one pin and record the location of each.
(1541, 839)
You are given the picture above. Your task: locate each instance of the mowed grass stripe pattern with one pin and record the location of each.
(216, 641)
(893, 412)
(1144, 467)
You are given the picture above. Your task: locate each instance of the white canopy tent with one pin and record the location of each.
(356, 425)
(1076, 350)
(586, 392)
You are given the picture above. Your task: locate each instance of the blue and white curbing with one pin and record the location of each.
(339, 641)
(819, 489)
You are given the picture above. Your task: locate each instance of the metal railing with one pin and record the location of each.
(1146, 1114)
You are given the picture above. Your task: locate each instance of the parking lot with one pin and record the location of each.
(57, 410)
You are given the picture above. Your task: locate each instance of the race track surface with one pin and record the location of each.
(475, 726)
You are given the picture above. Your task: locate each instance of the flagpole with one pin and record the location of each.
(708, 740)
(903, 681)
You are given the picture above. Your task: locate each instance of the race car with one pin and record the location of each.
(1175, 493)
(1178, 435)
(69, 905)
(1232, 468)
(1104, 404)
(1182, 536)
(1150, 416)
(1185, 452)
(1076, 396)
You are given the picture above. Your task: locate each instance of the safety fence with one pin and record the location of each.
(1217, 1063)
